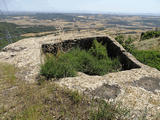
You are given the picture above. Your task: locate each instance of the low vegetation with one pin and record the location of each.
(7, 73)
(126, 43)
(57, 67)
(148, 57)
(150, 34)
(57, 16)
(48, 101)
(92, 62)
(149, 44)
(108, 111)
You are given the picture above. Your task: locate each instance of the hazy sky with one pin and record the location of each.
(115, 6)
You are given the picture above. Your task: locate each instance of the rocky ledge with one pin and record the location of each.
(137, 88)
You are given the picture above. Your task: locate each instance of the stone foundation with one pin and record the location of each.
(113, 47)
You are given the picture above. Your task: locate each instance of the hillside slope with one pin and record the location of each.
(136, 89)
(149, 44)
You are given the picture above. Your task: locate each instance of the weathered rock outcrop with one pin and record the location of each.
(127, 87)
(136, 88)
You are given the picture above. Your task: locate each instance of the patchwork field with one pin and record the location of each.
(26, 93)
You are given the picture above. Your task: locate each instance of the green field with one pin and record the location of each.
(17, 31)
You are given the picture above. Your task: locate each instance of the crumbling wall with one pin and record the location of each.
(113, 47)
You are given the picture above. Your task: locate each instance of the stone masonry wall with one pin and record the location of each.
(113, 47)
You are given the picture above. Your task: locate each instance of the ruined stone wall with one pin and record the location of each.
(113, 47)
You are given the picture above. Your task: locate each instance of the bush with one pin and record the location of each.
(54, 68)
(150, 34)
(98, 50)
(148, 57)
(84, 62)
(92, 66)
(120, 39)
(127, 44)
(93, 62)
(87, 63)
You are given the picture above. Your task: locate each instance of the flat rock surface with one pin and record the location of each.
(136, 89)
(148, 83)
(129, 89)
(27, 55)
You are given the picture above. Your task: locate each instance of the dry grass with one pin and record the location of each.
(88, 25)
(150, 44)
(46, 101)
(23, 101)
(37, 34)
(7, 75)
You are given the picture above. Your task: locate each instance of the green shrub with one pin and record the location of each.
(87, 63)
(120, 39)
(150, 34)
(84, 62)
(98, 50)
(148, 57)
(108, 111)
(93, 62)
(129, 40)
(54, 68)
(126, 43)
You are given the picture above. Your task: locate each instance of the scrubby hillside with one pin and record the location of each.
(146, 51)
(10, 33)
(149, 44)
(54, 99)
(47, 101)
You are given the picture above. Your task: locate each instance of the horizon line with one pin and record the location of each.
(86, 12)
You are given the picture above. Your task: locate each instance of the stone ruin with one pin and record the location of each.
(136, 87)
(113, 47)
